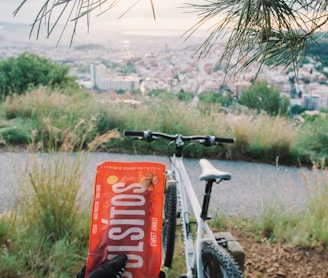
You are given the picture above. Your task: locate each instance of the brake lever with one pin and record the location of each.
(208, 142)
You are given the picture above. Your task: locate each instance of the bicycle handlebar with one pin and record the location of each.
(149, 136)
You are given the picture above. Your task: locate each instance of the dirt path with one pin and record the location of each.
(281, 261)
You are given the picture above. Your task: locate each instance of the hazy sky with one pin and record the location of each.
(173, 18)
(170, 14)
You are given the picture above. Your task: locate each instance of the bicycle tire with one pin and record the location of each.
(169, 224)
(217, 263)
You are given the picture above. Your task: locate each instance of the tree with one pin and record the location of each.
(260, 97)
(271, 32)
(211, 97)
(18, 74)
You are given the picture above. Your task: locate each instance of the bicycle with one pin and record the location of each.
(205, 256)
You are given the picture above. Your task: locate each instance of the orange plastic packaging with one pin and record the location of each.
(127, 217)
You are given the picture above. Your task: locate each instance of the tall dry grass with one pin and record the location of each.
(306, 227)
(48, 226)
(265, 138)
(53, 120)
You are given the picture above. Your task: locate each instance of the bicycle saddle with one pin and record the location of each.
(209, 172)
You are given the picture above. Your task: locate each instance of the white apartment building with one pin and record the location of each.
(101, 79)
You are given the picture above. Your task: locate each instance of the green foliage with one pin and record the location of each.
(265, 138)
(183, 96)
(297, 109)
(271, 213)
(127, 69)
(220, 221)
(324, 110)
(319, 50)
(50, 195)
(212, 97)
(16, 131)
(5, 228)
(166, 95)
(120, 91)
(19, 74)
(157, 92)
(53, 119)
(314, 139)
(305, 227)
(211, 102)
(11, 264)
(260, 96)
(48, 226)
(69, 120)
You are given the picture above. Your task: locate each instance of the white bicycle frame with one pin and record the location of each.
(187, 195)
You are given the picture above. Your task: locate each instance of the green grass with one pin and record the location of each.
(306, 227)
(16, 131)
(48, 226)
(49, 120)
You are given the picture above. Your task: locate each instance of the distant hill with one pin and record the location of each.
(17, 35)
(13, 32)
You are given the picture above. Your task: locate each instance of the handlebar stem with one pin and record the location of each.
(178, 146)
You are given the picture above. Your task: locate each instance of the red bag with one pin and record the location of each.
(127, 217)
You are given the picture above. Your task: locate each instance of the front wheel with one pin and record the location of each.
(169, 223)
(217, 263)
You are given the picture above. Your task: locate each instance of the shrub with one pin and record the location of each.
(58, 121)
(260, 97)
(313, 140)
(50, 195)
(16, 131)
(18, 74)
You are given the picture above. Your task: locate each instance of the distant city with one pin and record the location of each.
(133, 62)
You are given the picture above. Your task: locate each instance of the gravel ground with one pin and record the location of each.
(252, 185)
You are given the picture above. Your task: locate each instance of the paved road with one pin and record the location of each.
(252, 186)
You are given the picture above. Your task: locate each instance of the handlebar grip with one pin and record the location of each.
(133, 133)
(225, 140)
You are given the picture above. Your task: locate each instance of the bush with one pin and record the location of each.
(19, 74)
(57, 120)
(313, 140)
(261, 97)
(16, 132)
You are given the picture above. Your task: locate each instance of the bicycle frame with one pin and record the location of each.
(187, 195)
(177, 177)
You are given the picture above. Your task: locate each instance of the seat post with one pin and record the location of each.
(206, 200)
